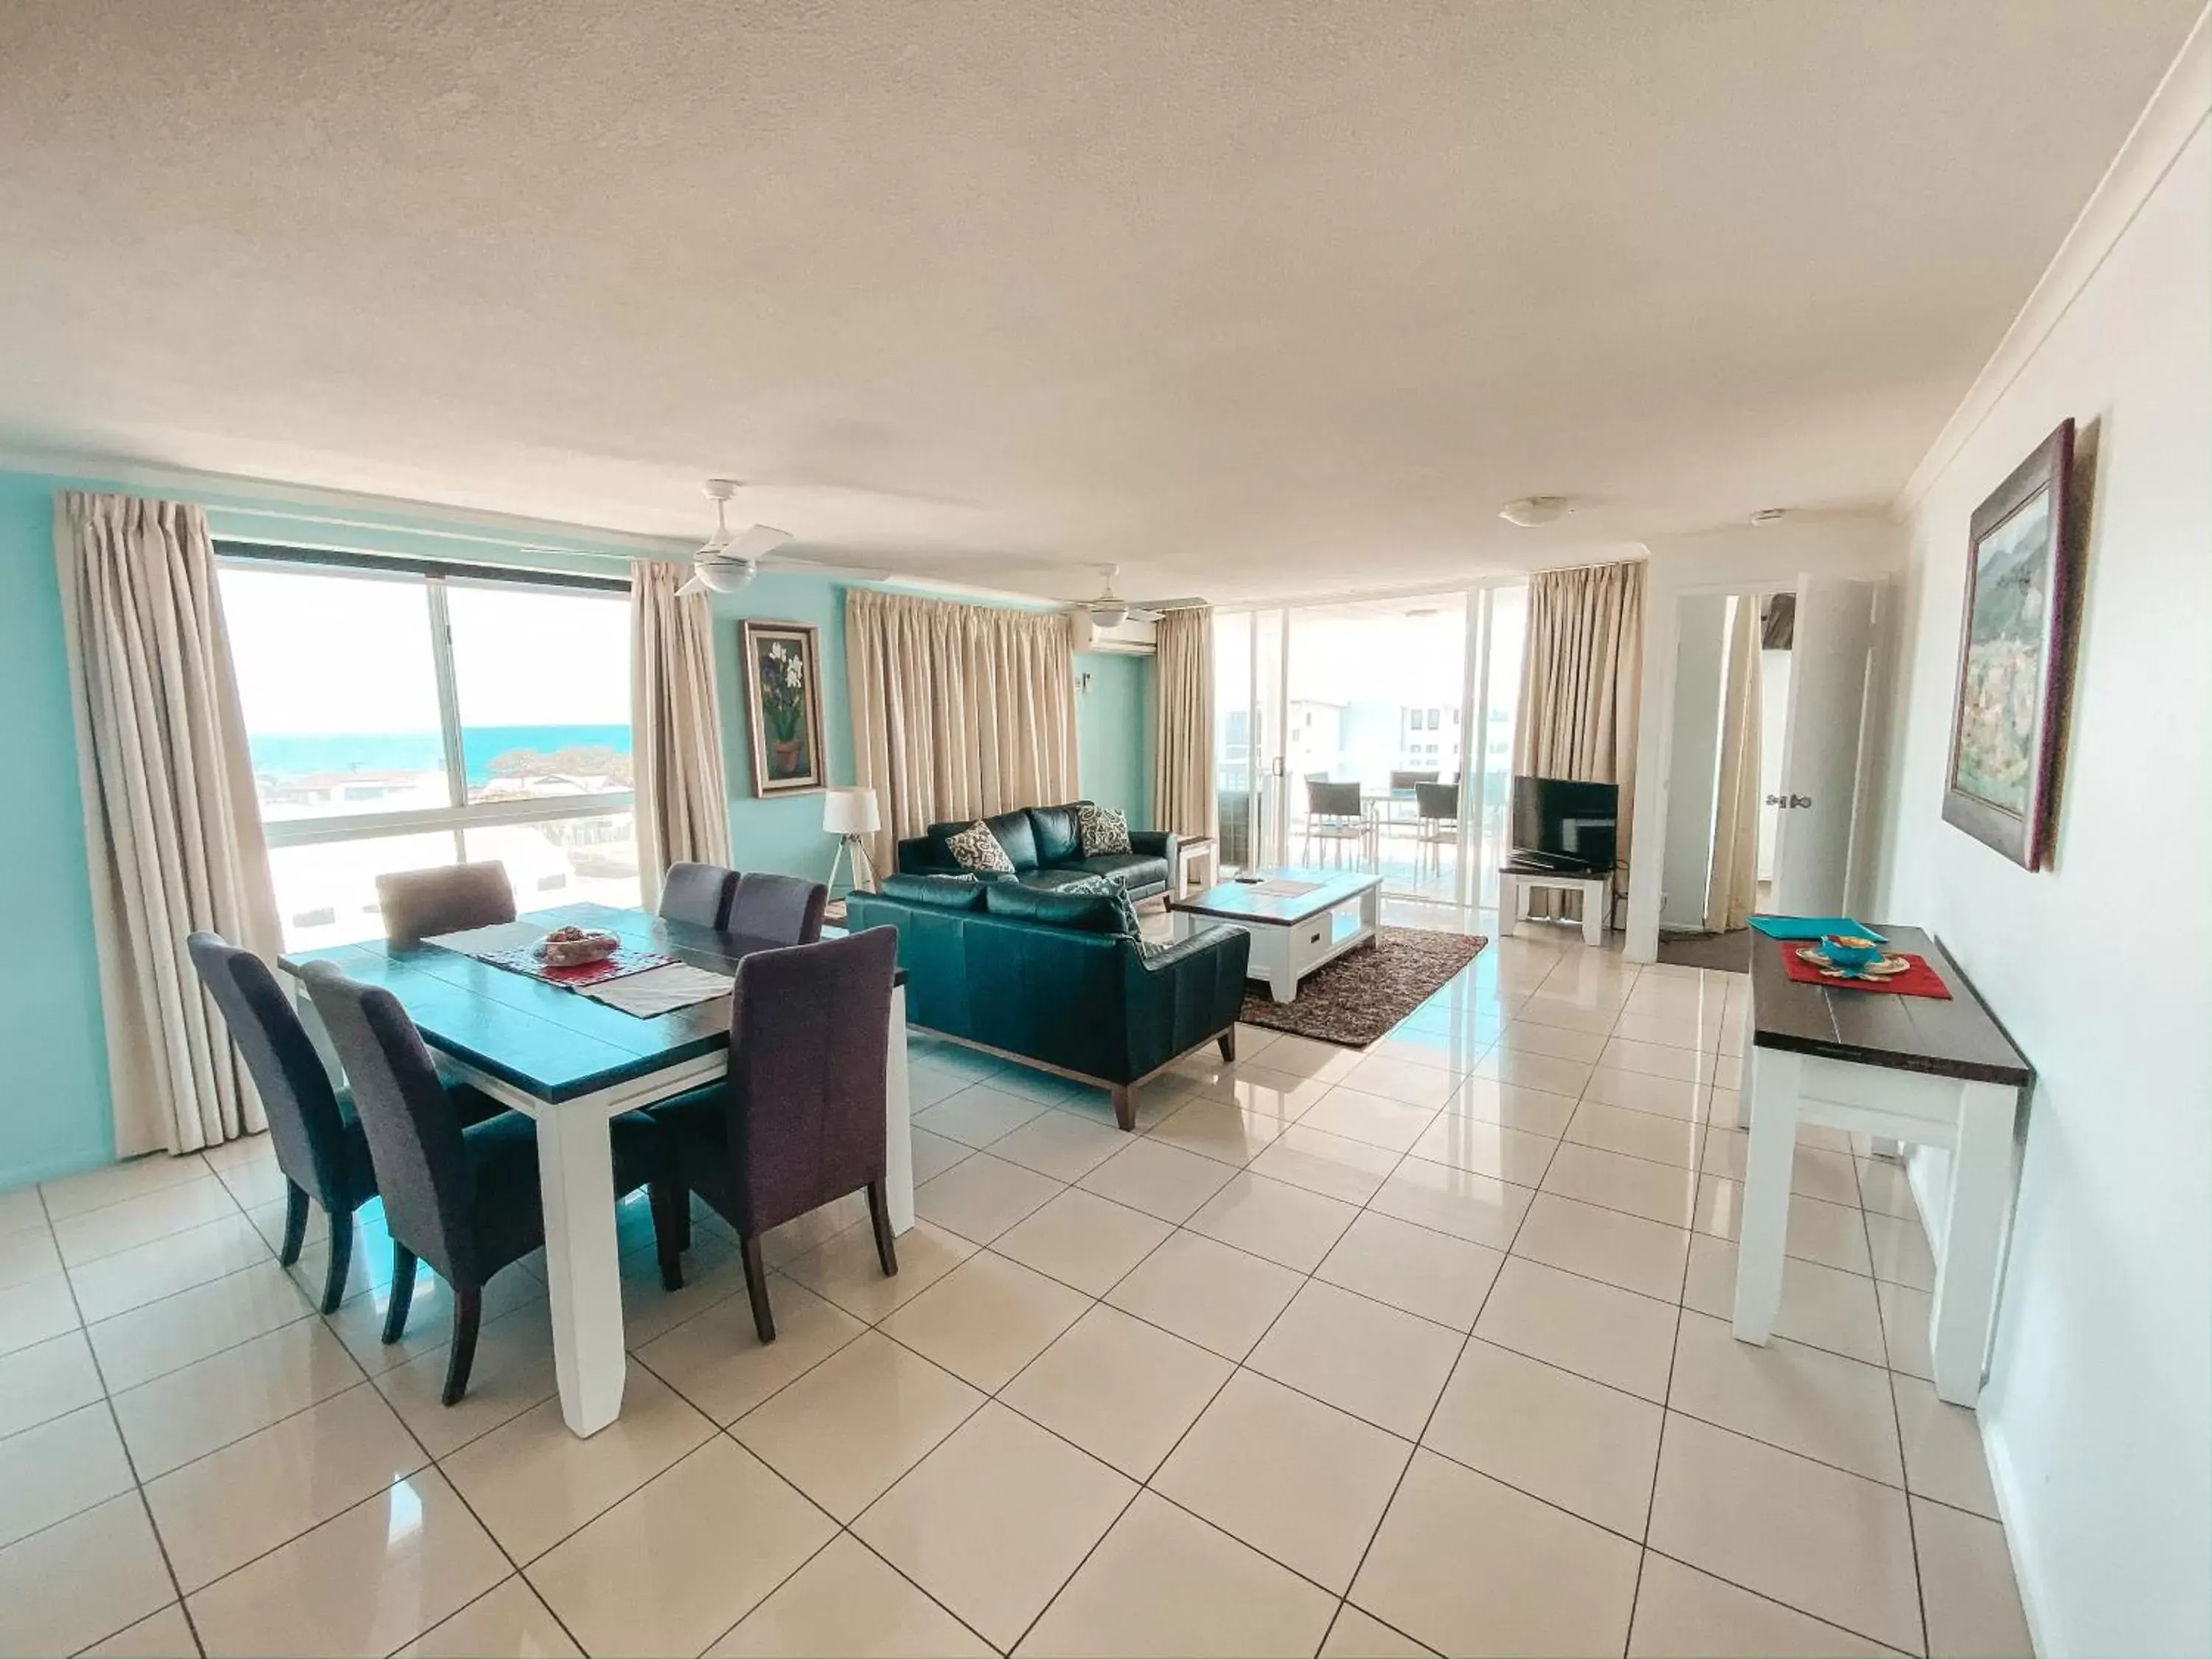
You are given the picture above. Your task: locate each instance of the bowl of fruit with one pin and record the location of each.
(572, 947)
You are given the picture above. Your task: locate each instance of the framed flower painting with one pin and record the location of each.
(783, 695)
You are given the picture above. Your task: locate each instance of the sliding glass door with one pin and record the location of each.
(1374, 734)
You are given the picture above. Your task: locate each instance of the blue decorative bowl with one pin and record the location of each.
(1851, 951)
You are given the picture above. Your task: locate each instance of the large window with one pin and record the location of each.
(400, 718)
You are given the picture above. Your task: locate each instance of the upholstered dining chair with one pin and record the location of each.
(785, 909)
(462, 1197)
(417, 903)
(698, 893)
(798, 1120)
(320, 1146)
(1335, 815)
(1436, 821)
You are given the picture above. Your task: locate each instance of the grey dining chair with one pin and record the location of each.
(419, 903)
(1336, 816)
(797, 1120)
(786, 910)
(462, 1197)
(320, 1146)
(1436, 821)
(698, 893)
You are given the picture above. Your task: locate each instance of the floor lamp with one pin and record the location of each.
(850, 814)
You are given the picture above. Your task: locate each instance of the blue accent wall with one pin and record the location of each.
(54, 1111)
(1113, 732)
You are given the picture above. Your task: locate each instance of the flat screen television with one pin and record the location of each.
(1563, 825)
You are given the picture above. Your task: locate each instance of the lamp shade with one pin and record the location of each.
(850, 813)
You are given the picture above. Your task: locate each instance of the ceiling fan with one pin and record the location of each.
(725, 563)
(1107, 611)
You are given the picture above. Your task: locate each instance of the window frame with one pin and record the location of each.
(459, 815)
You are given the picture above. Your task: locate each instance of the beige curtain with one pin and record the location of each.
(173, 831)
(959, 711)
(1182, 723)
(1732, 890)
(1582, 674)
(683, 798)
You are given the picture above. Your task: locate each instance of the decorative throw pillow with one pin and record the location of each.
(977, 849)
(1098, 887)
(1102, 828)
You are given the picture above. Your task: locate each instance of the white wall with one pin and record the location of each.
(1739, 559)
(2098, 1415)
(1773, 715)
(1700, 665)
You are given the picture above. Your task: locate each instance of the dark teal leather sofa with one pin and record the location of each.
(1046, 978)
(1048, 853)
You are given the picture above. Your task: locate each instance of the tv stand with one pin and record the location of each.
(1595, 886)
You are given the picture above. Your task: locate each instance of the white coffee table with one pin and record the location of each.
(1298, 919)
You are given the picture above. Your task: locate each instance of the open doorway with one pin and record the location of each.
(1731, 699)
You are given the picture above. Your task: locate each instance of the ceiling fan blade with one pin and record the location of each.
(815, 568)
(749, 543)
(697, 584)
(1184, 604)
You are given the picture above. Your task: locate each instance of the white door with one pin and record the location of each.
(1820, 745)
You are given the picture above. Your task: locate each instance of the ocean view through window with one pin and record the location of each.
(399, 719)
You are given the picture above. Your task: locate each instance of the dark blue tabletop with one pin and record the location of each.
(552, 1044)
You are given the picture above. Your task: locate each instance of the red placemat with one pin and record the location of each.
(1917, 981)
(627, 959)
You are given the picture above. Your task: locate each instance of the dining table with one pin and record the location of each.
(572, 1064)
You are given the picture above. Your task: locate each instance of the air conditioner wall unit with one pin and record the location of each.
(1127, 638)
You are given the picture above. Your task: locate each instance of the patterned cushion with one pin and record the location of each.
(1125, 912)
(1103, 829)
(977, 849)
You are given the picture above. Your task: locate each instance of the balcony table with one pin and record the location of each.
(572, 1064)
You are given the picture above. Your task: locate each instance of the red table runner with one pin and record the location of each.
(1917, 981)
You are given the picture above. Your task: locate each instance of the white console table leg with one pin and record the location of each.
(1597, 906)
(1973, 1240)
(1763, 1238)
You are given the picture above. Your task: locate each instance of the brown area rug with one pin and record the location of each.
(1362, 994)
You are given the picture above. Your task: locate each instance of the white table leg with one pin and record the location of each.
(898, 1170)
(1763, 1238)
(1509, 905)
(1180, 925)
(1973, 1240)
(583, 1270)
(1596, 902)
(1370, 914)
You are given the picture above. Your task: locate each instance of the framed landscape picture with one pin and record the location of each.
(2013, 657)
(783, 694)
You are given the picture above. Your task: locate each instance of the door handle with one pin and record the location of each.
(1788, 801)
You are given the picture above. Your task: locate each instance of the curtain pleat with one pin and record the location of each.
(1183, 791)
(683, 794)
(959, 711)
(1732, 888)
(172, 829)
(1582, 673)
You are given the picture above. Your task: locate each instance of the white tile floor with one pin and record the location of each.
(1420, 1350)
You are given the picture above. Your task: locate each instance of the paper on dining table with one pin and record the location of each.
(1279, 887)
(659, 990)
(484, 941)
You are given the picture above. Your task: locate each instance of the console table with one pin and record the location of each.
(1935, 1074)
(1513, 887)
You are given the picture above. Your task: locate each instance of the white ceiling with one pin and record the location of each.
(1247, 295)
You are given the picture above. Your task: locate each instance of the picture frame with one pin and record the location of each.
(2016, 666)
(783, 702)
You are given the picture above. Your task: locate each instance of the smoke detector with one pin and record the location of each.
(1532, 510)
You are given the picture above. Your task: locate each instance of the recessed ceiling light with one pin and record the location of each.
(1532, 510)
